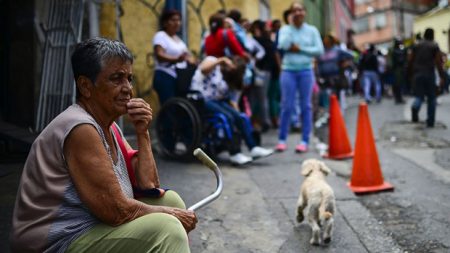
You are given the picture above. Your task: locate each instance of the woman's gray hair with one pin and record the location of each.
(89, 56)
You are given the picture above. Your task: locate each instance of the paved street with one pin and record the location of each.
(256, 211)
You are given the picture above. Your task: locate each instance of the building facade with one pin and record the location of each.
(438, 19)
(341, 20)
(379, 21)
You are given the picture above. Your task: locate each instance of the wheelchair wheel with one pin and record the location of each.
(178, 128)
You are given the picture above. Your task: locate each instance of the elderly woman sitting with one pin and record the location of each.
(75, 193)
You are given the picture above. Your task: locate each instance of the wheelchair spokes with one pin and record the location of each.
(178, 128)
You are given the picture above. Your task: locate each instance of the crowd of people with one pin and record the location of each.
(289, 71)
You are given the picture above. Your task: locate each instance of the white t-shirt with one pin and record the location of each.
(211, 86)
(173, 46)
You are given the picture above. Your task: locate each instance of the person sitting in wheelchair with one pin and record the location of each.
(220, 80)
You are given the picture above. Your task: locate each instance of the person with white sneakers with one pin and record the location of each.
(220, 81)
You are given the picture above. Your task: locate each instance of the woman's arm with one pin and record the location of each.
(316, 48)
(234, 44)
(161, 55)
(208, 65)
(259, 52)
(91, 171)
(141, 115)
(284, 39)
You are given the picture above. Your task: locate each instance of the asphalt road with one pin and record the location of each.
(256, 211)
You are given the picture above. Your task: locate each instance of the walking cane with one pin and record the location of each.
(208, 162)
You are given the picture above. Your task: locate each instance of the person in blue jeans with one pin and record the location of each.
(220, 80)
(301, 43)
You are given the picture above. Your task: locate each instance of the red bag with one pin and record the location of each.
(128, 155)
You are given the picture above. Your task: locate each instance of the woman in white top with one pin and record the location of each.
(170, 53)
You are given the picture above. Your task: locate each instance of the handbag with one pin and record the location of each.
(128, 155)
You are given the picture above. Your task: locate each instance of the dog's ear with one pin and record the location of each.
(306, 170)
(324, 168)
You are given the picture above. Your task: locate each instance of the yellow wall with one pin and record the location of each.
(277, 8)
(108, 17)
(139, 24)
(440, 22)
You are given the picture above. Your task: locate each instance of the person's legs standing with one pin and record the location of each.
(295, 117)
(378, 87)
(273, 94)
(419, 89)
(431, 110)
(342, 100)
(415, 108)
(305, 85)
(431, 99)
(288, 91)
(398, 84)
(259, 98)
(366, 86)
(264, 101)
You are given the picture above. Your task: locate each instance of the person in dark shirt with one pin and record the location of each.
(425, 59)
(263, 73)
(398, 62)
(368, 66)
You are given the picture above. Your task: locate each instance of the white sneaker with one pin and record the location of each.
(240, 159)
(258, 152)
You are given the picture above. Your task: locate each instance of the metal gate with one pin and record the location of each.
(62, 32)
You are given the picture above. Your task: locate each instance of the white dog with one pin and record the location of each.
(318, 199)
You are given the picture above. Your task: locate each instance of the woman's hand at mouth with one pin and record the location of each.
(140, 114)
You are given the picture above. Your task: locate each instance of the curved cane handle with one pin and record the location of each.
(208, 162)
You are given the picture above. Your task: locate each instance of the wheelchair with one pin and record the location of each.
(183, 125)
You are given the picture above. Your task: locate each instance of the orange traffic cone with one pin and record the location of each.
(338, 141)
(366, 172)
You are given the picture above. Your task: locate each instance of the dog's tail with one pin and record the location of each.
(326, 209)
(326, 215)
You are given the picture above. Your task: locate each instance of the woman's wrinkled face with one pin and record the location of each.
(113, 86)
(298, 13)
(173, 24)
